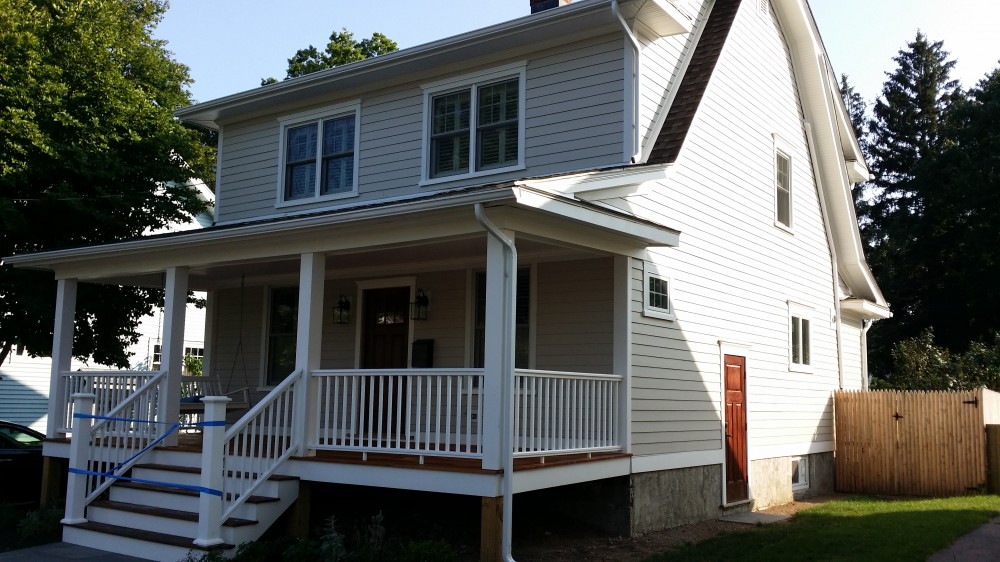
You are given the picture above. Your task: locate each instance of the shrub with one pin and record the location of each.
(428, 551)
(40, 527)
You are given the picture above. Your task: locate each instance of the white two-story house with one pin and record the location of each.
(610, 243)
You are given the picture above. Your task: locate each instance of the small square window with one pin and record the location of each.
(799, 337)
(656, 299)
(800, 473)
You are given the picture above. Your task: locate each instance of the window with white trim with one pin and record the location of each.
(656, 299)
(319, 157)
(782, 189)
(475, 125)
(799, 337)
(800, 473)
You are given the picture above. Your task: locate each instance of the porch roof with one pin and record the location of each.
(441, 215)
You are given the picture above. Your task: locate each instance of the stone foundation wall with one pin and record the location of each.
(670, 498)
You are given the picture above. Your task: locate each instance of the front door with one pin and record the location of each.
(736, 429)
(386, 328)
(384, 342)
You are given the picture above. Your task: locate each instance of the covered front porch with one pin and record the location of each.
(482, 336)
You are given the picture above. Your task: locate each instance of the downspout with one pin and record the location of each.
(833, 250)
(865, 326)
(636, 74)
(507, 374)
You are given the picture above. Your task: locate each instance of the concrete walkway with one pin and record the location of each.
(981, 544)
(61, 551)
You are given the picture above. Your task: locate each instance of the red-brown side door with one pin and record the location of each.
(736, 429)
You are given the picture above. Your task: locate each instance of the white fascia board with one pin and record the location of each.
(865, 308)
(596, 185)
(51, 260)
(645, 232)
(820, 104)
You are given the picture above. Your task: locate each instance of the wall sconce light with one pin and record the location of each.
(342, 311)
(418, 308)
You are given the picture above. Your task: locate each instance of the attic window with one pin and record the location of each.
(319, 159)
(764, 6)
(474, 125)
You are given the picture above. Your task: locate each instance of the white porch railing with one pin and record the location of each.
(256, 445)
(110, 388)
(104, 452)
(432, 412)
(563, 413)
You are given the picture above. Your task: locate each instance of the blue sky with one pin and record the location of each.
(231, 44)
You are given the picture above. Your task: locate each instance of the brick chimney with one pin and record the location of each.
(542, 5)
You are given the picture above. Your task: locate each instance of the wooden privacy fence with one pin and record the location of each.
(913, 443)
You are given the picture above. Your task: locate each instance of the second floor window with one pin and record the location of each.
(319, 157)
(475, 125)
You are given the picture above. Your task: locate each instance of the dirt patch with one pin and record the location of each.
(574, 544)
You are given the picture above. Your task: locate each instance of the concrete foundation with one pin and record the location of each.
(772, 479)
(670, 498)
(821, 476)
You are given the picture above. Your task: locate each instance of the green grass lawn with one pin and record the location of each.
(881, 529)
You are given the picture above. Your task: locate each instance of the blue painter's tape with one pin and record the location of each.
(198, 489)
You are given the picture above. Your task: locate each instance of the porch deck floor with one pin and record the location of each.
(191, 442)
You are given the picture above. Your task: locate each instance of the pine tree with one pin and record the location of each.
(908, 129)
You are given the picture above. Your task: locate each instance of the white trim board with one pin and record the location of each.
(670, 461)
(790, 450)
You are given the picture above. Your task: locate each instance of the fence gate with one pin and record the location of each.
(909, 442)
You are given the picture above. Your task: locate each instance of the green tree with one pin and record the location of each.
(340, 50)
(909, 127)
(91, 154)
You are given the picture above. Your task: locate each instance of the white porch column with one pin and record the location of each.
(172, 349)
(309, 335)
(62, 357)
(622, 350)
(499, 341)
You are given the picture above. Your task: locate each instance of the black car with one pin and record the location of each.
(20, 463)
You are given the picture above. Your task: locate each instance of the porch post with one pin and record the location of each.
(172, 350)
(309, 333)
(79, 457)
(212, 472)
(62, 357)
(622, 351)
(498, 336)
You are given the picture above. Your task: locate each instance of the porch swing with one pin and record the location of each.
(195, 387)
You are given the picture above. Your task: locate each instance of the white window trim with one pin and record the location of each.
(317, 116)
(653, 270)
(803, 483)
(780, 147)
(803, 312)
(472, 82)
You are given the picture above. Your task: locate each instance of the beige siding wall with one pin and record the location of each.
(575, 316)
(573, 120)
(735, 271)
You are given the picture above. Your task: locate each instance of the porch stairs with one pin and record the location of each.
(157, 522)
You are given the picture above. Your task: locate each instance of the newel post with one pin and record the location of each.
(212, 471)
(79, 453)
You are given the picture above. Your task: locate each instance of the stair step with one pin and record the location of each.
(182, 491)
(166, 513)
(196, 470)
(149, 536)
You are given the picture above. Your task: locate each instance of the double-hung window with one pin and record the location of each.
(783, 201)
(319, 158)
(475, 125)
(799, 337)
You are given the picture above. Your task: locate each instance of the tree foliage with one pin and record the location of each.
(91, 154)
(340, 50)
(932, 222)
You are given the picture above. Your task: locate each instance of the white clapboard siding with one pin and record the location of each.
(850, 333)
(573, 120)
(734, 271)
(661, 58)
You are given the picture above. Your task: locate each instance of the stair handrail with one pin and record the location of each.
(96, 460)
(271, 431)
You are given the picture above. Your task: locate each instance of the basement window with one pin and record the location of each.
(800, 473)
